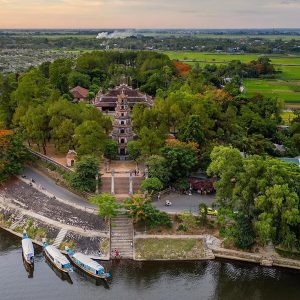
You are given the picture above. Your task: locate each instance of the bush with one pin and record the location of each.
(181, 184)
(244, 233)
(152, 185)
(203, 213)
(182, 227)
(158, 218)
(188, 220)
(142, 211)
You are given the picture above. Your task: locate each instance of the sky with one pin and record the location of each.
(149, 13)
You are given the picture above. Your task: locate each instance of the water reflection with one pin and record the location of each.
(203, 280)
(62, 275)
(91, 279)
(29, 268)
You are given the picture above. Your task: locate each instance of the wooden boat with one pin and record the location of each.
(28, 250)
(56, 258)
(87, 265)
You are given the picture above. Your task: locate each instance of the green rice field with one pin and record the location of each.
(285, 87)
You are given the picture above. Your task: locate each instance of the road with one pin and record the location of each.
(181, 203)
(58, 191)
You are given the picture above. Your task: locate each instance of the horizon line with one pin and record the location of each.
(149, 28)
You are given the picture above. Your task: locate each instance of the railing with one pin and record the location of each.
(49, 160)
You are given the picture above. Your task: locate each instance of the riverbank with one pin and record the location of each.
(23, 206)
(201, 247)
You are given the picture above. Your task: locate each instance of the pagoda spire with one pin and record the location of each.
(122, 126)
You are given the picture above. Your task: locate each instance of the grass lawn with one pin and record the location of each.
(226, 57)
(286, 90)
(157, 248)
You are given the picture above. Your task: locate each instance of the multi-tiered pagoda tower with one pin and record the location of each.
(122, 127)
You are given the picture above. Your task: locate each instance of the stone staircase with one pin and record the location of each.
(121, 237)
(18, 221)
(121, 184)
(208, 253)
(60, 237)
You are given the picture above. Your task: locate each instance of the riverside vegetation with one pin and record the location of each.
(195, 121)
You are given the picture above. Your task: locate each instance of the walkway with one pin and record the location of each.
(49, 185)
(122, 237)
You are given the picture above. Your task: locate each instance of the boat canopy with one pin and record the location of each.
(84, 259)
(27, 247)
(57, 255)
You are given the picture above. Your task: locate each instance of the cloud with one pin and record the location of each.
(149, 13)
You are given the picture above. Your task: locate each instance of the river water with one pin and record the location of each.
(132, 280)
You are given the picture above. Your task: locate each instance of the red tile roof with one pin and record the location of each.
(79, 92)
(110, 98)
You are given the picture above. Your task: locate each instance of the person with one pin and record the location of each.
(158, 196)
(116, 253)
(168, 203)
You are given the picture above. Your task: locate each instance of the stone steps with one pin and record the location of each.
(18, 221)
(122, 237)
(60, 237)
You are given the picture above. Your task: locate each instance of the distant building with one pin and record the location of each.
(79, 94)
(291, 160)
(107, 102)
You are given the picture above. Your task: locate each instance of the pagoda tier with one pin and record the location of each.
(122, 127)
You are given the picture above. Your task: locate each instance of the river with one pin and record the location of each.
(152, 280)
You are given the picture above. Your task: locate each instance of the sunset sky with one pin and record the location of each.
(149, 13)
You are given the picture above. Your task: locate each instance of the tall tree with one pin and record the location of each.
(84, 177)
(89, 139)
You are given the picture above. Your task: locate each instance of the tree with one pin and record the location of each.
(150, 141)
(134, 150)
(76, 78)
(263, 191)
(111, 149)
(84, 177)
(157, 167)
(245, 234)
(226, 162)
(193, 130)
(89, 139)
(35, 126)
(13, 154)
(142, 211)
(63, 136)
(59, 71)
(108, 206)
(181, 158)
(152, 185)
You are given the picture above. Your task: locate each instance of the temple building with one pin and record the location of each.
(118, 102)
(79, 94)
(122, 127)
(107, 102)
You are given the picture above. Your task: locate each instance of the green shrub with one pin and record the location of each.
(188, 220)
(203, 213)
(182, 227)
(152, 185)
